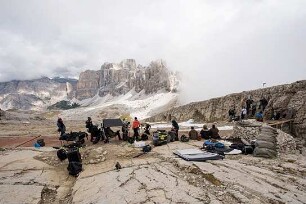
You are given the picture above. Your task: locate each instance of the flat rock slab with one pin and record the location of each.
(162, 177)
(24, 179)
(20, 194)
(152, 183)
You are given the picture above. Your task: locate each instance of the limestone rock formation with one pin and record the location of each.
(289, 100)
(88, 84)
(113, 79)
(117, 79)
(34, 94)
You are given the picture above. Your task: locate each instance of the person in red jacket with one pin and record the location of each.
(135, 126)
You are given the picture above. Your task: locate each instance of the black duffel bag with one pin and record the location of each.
(41, 142)
(184, 138)
(74, 168)
(147, 148)
(61, 154)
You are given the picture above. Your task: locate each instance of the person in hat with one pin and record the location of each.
(205, 134)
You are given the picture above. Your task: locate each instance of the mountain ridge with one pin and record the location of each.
(113, 79)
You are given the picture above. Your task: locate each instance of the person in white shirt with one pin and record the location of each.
(243, 113)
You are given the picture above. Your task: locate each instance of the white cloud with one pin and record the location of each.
(218, 46)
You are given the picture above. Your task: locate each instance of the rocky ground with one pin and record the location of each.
(37, 176)
(30, 175)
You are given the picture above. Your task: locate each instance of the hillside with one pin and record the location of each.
(289, 99)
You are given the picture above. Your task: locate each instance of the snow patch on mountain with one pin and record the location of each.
(136, 104)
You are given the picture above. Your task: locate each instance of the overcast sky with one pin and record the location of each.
(218, 46)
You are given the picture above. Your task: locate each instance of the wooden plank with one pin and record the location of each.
(28, 141)
(280, 122)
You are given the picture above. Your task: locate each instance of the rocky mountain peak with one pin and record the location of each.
(128, 64)
(119, 78)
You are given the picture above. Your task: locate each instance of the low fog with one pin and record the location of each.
(219, 47)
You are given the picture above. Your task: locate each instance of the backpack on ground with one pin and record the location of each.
(131, 140)
(160, 137)
(247, 149)
(41, 142)
(61, 154)
(144, 137)
(75, 162)
(147, 148)
(74, 168)
(184, 138)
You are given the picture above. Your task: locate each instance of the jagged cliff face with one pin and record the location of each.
(118, 79)
(88, 84)
(287, 99)
(34, 94)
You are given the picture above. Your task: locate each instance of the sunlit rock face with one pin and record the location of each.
(88, 84)
(117, 79)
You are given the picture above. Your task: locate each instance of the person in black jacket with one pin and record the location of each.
(263, 103)
(205, 134)
(176, 128)
(61, 126)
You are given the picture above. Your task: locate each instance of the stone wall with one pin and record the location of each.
(250, 130)
(288, 98)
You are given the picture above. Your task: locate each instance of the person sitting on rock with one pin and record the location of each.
(193, 134)
(125, 129)
(110, 133)
(214, 131)
(96, 134)
(89, 126)
(259, 116)
(61, 128)
(146, 134)
(205, 134)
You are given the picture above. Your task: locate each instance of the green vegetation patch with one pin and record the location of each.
(63, 105)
